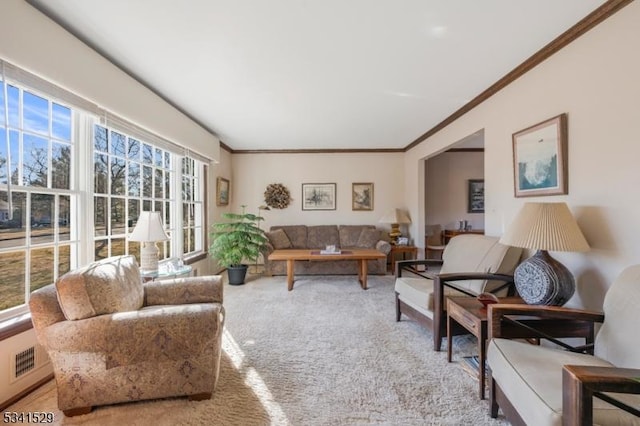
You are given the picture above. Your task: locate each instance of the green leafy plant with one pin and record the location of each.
(237, 239)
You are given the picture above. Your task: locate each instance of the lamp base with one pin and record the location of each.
(149, 257)
(542, 280)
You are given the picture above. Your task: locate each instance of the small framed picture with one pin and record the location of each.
(362, 196)
(403, 241)
(475, 202)
(318, 196)
(540, 158)
(222, 191)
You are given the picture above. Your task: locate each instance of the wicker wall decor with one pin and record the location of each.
(277, 196)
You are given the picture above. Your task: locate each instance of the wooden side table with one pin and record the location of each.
(472, 315)
(412, 251)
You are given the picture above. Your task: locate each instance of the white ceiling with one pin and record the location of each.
(323, 74)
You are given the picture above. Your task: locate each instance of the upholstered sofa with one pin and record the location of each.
(318, 237)
(112, 339)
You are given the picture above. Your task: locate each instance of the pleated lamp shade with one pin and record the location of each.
(545, 226)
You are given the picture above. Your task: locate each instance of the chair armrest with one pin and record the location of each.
(444, 279)
(178, 291)
(553, 321)
(410, 265)
(581, 383)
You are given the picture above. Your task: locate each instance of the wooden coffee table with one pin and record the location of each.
(359, 255)
(472, 315)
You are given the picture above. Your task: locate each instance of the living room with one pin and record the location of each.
(593, 79)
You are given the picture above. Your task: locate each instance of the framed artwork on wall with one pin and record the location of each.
(475, 194)
(222, 191)
(318, 196)
(540, 158)
(361, 196)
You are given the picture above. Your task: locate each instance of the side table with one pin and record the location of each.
(396, 249)
(166, 273)
(472, 315)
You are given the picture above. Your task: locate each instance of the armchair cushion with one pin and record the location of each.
(518, 368)
(103, 287)
(180, 291)
(418, 293)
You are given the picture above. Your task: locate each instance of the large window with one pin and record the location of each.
(37, 241)
(71, 190)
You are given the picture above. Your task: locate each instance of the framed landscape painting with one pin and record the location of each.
(540, 158)
(362, 196)
(318, 196)
(475, 202)
(222, 191)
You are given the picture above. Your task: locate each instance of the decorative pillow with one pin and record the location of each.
(368, 238)
(279, 239)
(104, 287)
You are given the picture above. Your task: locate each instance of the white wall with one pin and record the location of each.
(446, 188)
(33, 42)
(595, 81)
(253, 172)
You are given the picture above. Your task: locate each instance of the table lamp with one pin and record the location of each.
(148, 231)
(542, 280)
(395, 217)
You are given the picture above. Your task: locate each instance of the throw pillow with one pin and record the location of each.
(103, 287)
(368, 238)
(279, 239)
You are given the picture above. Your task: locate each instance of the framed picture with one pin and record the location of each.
(318, 196)
(540, 158)
(222, 191)
(475, 192)
(361, 196)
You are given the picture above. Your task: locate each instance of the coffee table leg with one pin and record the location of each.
(290, 263)
(362, 273)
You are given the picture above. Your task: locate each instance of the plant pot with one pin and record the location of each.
(237, 274)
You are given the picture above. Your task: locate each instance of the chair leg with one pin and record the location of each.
(437, 333)
(76, 411)
(200, 396)
(398, 313)
(493, 407)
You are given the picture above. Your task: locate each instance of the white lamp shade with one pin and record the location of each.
(545, 226)
(149, 228)
(395, 216)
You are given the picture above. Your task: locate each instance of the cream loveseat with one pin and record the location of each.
(471, 264)
(527, 380)
(320, 236)
(112, 339)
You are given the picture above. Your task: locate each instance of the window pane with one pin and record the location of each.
(117, 144)
(14, 113)
(134, 149)
(134, 179)
(158, 157)
(61, 166)
(147, 154)
(118, 176)
(12, 226)
(42, 212)
(134, 213)
(167, 160)
(36, 161)
(2, 102)
(100, 138)
(134, 249)
(100, 176)
(64, 260)
(99, 216)
(14, 146)
(12, 277)
(41, 267)
(3, 152)
(186, 189)
(192, 240)
(101, 249)
(146, 205)
(185, 214)
(36, 113)
(117, 216)
(61, 122)
(167, 184)
(64, 218)
(118, 246)
(157, 184)
(147, 181)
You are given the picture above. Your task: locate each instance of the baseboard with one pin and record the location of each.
(5, 404)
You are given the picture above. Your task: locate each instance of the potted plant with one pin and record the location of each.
(235, 240)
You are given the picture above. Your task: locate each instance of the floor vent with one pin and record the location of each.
(26, 361)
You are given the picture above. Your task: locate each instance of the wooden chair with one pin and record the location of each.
(433, 243)
(544, 385)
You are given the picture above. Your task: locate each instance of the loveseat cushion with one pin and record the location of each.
(279, 239)
(320, 236)
(103, 287)
(531, 377)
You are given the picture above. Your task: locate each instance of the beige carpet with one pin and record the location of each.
(327, 353)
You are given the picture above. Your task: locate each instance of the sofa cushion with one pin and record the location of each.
(368, 238)
(531, 376)
(320, 236)
(349, 234)
(279, 239)
(297, 234)
(103, 287)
